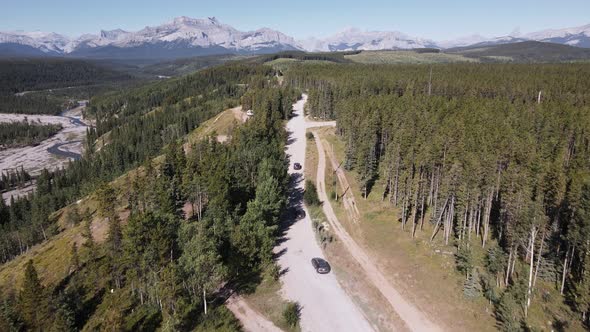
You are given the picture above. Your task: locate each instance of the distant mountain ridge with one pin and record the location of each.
(185, 36)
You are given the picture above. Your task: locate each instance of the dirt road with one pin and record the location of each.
(252, 320)
(414, 319)
(325, 305)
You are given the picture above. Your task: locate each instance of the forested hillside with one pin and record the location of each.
(69, 78)
(495, 158)
(157, 266)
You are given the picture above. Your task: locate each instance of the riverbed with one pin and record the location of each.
(52, 153)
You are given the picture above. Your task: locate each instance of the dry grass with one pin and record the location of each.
(425, 272)
(52, 258)
(404, 57)
(267, 300)
(423, 275)
(222, 125)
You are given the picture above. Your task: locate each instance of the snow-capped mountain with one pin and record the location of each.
(46, 42)
(183, 36)
(355, 39)
(578, 36)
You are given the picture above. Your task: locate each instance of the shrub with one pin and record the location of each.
(292, 313)
(310, 196)
(333, 195)
(309, 135)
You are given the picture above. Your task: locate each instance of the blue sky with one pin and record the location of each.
(435, 19)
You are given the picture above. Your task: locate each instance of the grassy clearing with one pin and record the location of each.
(222, 124)
(284, 63)
(423, 272)
(404, 57)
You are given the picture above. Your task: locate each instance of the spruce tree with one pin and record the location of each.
(472, 286)
(32, 302)
(74, 258)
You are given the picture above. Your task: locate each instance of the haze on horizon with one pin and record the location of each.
(305, 18)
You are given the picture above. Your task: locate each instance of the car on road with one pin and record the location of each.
(300, 214)
(320, 265)
(297, 166)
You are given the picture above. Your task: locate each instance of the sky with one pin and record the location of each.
(432, 19)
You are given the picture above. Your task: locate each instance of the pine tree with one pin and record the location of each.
(73, 216)
(472, 286)
(74, 258)
(508, 313)
(32, 301)
(87, 236)
(10, 318)
(464, 261)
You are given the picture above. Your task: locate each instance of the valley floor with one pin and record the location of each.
(53, 153)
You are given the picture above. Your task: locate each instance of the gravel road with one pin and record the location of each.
(325, 305)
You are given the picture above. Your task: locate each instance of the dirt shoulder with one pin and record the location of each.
(412, 316)
(252, 320)
(421, 271)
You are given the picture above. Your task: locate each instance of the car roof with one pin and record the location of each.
(319, 260)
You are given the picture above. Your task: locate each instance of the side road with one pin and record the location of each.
(411, 315)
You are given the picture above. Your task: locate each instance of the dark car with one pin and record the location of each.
(320, 265)
(300, 214)
(297, 166)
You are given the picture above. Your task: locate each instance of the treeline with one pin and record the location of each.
(14, 178)
(18, 75)
(136, 125)
(31, 103)
(16, 134)
(493, 157)
(77, 78)
(198, 220)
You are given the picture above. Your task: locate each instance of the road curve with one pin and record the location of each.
(413, 318)
(325, 305)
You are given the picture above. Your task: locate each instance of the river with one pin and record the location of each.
(52, 153)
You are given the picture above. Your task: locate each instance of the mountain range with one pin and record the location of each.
(184, 37)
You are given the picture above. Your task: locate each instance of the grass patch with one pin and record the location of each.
(405, 57)
(267, 300)
(222, 124)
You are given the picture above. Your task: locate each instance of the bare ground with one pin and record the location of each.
(252, 320)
